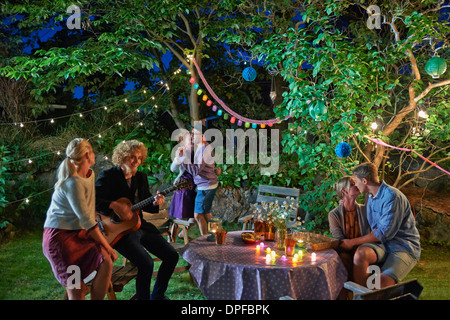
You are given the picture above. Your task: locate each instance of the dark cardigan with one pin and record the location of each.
(112, 185)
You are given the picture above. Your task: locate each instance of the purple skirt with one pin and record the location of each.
(64, 248)
(183, 201)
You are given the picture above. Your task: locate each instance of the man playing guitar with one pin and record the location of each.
(124, 181)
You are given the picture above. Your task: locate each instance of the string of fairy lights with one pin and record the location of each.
(154, 102)
(154, 99)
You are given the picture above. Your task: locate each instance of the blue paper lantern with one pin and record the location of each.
(249, 74)
(343, 150)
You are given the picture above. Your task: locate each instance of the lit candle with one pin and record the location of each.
(273, 254)
(262, 244)
(313, 256)
(283, 257)
(258, 247)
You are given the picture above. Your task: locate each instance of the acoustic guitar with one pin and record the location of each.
(114, 228)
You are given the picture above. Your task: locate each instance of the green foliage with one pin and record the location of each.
(362, 75)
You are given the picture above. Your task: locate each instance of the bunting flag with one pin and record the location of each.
(234, 114)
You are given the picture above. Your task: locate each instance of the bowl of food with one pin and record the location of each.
(250, 237)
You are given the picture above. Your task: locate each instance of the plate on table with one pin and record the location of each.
(250, 237)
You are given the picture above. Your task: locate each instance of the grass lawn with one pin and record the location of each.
(25, 274)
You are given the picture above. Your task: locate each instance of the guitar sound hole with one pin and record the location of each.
(115, 219)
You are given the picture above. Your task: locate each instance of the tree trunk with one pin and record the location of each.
(194, 106)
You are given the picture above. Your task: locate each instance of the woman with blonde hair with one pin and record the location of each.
(72, 242)
(348, 220)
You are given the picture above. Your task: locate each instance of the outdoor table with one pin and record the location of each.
(239, 271)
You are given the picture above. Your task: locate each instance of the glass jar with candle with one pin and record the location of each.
(214, 225)
(297, 233)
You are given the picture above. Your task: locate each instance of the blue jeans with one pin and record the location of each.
(134, 247)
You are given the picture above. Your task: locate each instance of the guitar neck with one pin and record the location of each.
(146, 202)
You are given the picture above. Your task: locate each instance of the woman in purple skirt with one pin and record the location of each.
(183, 201)
(72, 242)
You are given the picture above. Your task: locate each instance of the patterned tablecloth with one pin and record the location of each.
(238, 271)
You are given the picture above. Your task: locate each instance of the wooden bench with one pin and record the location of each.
(124, 273)
(270, 194)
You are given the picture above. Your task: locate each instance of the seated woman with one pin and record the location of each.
(348, 220)
(72, 240)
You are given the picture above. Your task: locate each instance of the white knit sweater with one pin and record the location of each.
(73, 205)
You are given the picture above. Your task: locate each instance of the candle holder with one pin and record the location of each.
(214, 225)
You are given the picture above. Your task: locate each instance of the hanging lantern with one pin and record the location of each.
(272, 96)
(209, 103)
(196, 86)
(247, 124)
(318, 111)
(239, 123)
(199, 91)
(436, 67)
(205, 97)
(343, 150)
(249, 74)
(219, 112)
(192, 80)
(233, 120)
(263, 125)
(225, 116)
(214, 108)
(254, 125)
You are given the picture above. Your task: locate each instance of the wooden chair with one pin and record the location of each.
(124, 273)
(408, 290)
(270, 194)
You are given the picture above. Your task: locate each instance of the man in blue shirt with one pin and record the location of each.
(394, 242)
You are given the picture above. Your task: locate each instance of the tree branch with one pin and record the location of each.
(188, 28)
(431, 86)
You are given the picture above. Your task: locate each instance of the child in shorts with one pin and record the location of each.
(205, 178)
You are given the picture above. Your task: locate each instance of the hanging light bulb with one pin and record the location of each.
(374, 125)
(423, 114)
